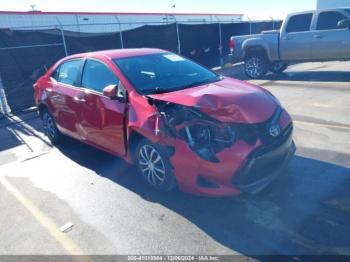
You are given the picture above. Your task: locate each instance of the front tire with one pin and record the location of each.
(278, 67)
(255, 66)
(50, 127)
(154, 165)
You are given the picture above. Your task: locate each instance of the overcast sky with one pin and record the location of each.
(255, 9)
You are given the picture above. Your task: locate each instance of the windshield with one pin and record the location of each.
(162, 73)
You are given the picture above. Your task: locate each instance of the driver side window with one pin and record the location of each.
(97, 76)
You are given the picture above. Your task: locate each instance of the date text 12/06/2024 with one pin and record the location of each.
(174, 258)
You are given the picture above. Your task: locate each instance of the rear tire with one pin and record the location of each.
(278, 67)
(153, 163)
(50, 127)
(255, 66)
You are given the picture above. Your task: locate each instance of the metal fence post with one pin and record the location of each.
(4, 107)
(63, 38)
(177, 35)
(120, 32)
(77, 20)
(250, 25)
(220, 46)
(220, 42)
(178, 38)
(273, 23)
(64, 42)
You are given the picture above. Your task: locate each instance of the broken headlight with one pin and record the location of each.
(207, 139)
(205, 136)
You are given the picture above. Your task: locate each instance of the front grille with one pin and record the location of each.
(260, 162)
(251, 132)
(272, 143)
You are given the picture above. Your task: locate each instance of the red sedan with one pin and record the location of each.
(180, 123)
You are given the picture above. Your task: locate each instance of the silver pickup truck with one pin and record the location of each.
(322, 35)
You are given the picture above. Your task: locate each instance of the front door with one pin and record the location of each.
(295, 43)
(102, 119)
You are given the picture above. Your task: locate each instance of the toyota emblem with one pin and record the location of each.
(275, 130)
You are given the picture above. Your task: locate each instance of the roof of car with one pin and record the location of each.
(120, 53)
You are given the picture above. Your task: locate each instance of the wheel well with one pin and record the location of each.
(133, 141)
(136, 137)
(41, 108)
(255, 50)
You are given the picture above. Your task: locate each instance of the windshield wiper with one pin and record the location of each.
(203, 82)
(156, 90)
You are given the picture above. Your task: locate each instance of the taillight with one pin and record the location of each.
(232, 45)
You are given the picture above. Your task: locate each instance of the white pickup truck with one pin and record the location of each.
(321, 35)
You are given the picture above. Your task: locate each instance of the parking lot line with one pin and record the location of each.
(67, 243)
(322, 125)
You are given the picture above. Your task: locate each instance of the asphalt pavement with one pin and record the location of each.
(109, 209)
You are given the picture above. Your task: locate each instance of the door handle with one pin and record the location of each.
(317, 36)
(286, 38)
(79, 99)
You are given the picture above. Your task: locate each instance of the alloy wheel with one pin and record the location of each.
(49, 126)
(254, 67)
(151, 165)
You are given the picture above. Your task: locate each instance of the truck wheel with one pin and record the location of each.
(278, 67)
(255, 66)
(154, 165)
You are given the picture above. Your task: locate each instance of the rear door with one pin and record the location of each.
(63, 95)
(101, 120)
(330, 42)
(295, 43)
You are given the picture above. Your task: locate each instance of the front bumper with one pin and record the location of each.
(263, 168)
(241, 168)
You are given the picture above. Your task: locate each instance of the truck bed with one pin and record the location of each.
(269, 38)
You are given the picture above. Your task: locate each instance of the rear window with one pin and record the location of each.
(299, 23)
(68, 72)
(329, 20)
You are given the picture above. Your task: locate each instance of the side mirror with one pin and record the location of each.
(110, 91)
(345, 23)
(116, 92)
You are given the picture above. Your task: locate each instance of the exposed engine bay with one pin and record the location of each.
(205, 136)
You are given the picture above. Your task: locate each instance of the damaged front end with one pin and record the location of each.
(205, 136)
(218, 158)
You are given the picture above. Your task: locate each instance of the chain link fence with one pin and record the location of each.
(26, 53)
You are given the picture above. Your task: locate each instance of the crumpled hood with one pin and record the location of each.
(228, 100)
